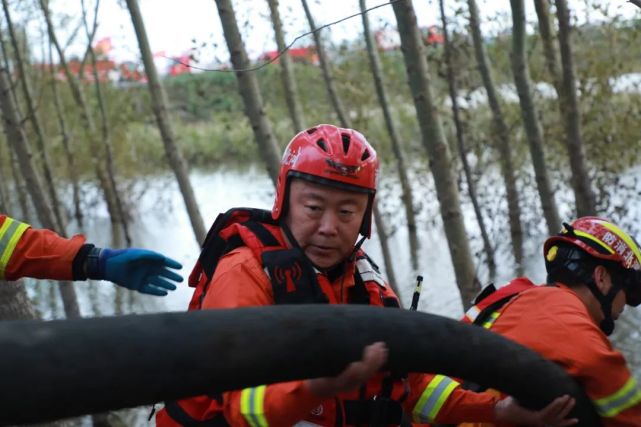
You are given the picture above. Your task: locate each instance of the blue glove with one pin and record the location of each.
(137, 269)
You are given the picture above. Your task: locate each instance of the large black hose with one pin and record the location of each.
(51, 370)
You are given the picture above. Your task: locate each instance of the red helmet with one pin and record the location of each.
(332, 156)
(602, 239)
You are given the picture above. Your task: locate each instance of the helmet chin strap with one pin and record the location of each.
(605, 300)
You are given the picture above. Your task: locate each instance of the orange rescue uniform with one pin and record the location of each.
(37, 253)
(240, 281)
(555, 323)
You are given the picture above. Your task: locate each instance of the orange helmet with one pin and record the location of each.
(604, 240)
(332, 156)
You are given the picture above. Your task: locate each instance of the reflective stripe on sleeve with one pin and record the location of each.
(490, 321)
(627, 396)
(252, 406)
(433, 398)
(10, 233)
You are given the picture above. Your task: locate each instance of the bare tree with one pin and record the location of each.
(549, 49)
(502, 139)
(34, 118)
(460, 142)
(399, 156)
(583, 193)
(335, 100)
(346, 122)
(110, 193)
(104, 121)
(523, 84)
(287, 72)
(66, 143)
(249, 90)
(19, 144)
(437, 150)
(159, 104)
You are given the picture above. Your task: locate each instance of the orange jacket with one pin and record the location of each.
(37, 253)
(555, 323)
(239, 281)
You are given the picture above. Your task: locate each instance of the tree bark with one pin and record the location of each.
(549, 49)
(66, 144)
(34, 118)
(503, 139)
(585, 197)
(249, 90)
(14, 302)
(287, 72)
(115, 362)
(437, 149)
(530, 120)
(104, 123)
(336, 101)
(87, 120)
(160, 107)
(460, 143)
(381, 231)
(20, 186)
(401, 164)
(17, 139)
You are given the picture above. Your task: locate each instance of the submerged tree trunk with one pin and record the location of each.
(503, 139)
(87, 120)
(34, 118)
(345, 122)
(159, 104)
(585, 197)
(17, 139)
(249, 90)
(287, 72)
(437, 150)
(336, 101)
(104, 123)
(530, 120)
(460, 142)
(401, 164)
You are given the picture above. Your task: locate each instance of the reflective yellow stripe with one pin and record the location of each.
(10, 234)
(433, 398)
(252, 402)
(624, 236)
(627, 396)
(594, 239)
(489, 322)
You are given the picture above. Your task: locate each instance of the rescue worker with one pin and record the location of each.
(594, 269)
(304, 251)
(43, 254)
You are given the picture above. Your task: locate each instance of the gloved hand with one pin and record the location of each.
(136, 269)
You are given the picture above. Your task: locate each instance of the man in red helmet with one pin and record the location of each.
(594, 269)
(304, 251)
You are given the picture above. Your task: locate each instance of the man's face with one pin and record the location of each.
(325, 221)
